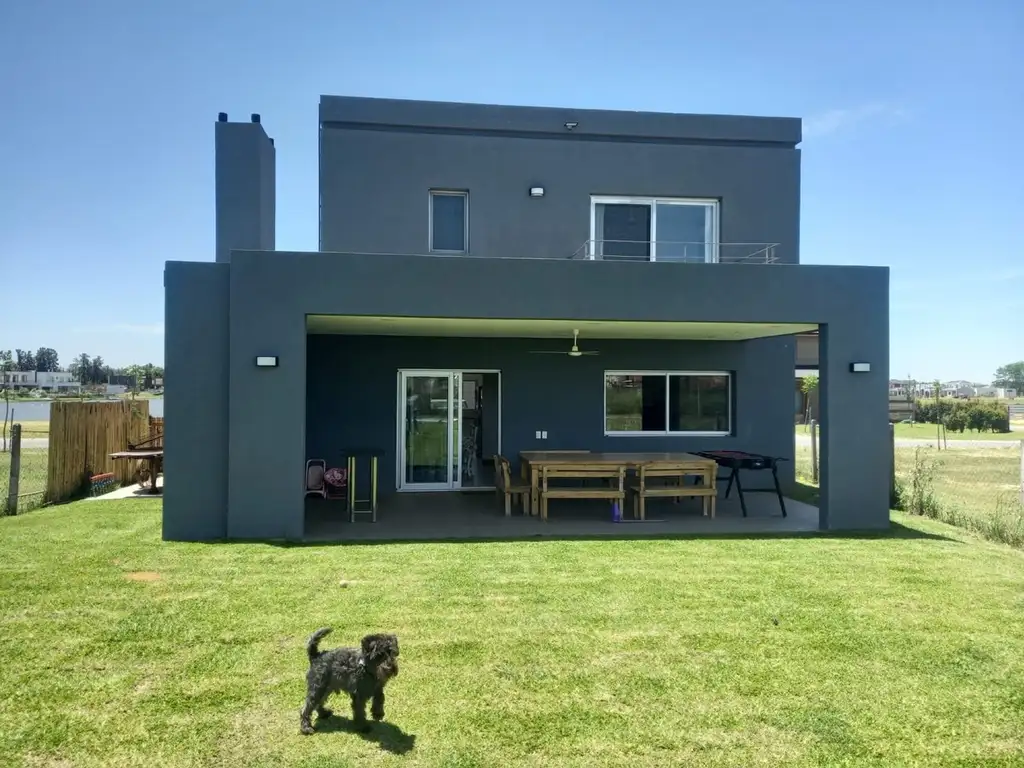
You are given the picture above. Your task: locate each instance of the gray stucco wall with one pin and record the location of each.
(270, 294)
(352, 392)
(380, 158)
(196, 401)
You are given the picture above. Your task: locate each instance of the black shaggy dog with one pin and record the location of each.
(361, 672)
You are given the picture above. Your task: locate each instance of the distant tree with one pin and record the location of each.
(98, 370)
(46, 359)
(81, 369)
(137, 374)
(25, 360)
(808, 385)
(1011, 375)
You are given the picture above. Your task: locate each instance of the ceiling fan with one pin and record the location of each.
(573, 351)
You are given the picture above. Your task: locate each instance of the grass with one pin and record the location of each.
(928, 432)
(32, 429)
(125, 650)
(977, 489)
(32, 481)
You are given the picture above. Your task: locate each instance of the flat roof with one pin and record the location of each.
(569, 122)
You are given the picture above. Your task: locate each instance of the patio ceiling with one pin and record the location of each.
(369, 325)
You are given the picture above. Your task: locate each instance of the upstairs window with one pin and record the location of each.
(449, 221)
(654, 229)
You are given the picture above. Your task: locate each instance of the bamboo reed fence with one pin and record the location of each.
(83, 434)
(156, 427)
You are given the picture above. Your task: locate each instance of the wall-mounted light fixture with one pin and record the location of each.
(536, 191)
(860, 367)
(266, 361)
(570, 125)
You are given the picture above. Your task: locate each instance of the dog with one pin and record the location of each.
(360, 672)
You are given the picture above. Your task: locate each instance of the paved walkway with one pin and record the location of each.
(131, 492)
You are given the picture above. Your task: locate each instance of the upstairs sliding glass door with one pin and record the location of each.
(654, 229)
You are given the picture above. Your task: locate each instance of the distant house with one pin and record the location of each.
(959, 388)
(1001, 393)
(906, 388)
(45, 380)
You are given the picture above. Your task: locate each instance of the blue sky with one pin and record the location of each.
(911, 159)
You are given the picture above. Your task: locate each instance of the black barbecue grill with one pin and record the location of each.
(737, 460)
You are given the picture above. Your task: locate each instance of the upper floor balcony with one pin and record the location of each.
(700, 252)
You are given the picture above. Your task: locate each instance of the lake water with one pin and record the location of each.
(39, 410)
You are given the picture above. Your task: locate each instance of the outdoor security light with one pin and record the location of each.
(536, 191)
(860, 367)
(266, 362)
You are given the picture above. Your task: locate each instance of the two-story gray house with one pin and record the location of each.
(466, 254)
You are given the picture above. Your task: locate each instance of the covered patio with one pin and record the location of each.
(364, 355)
(479, 516)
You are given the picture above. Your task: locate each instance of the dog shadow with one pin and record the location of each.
(389, 736)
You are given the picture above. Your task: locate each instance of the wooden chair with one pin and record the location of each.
(504, 486)
(670, 480)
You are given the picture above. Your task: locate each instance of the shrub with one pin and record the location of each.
(917, 496)
(958, 415)
(956, 421)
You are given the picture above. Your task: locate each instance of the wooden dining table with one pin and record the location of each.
(532, 464)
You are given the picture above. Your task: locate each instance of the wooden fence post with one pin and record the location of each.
(814, 450)
(12, 489)
(892, 465)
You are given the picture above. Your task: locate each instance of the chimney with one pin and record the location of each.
(245, 187)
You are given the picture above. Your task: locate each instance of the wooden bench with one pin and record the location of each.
(670, 481)
(613, 489)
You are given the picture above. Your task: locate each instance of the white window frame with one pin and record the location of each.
(464, 194)
(711, 256)
(666, 432)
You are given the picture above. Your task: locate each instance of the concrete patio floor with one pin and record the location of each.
(480, 516)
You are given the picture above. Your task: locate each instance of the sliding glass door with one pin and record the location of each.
(449, 428)
(429, 428)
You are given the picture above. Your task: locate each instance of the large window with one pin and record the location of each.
(668, 403)
(449, 221)
(654, 229)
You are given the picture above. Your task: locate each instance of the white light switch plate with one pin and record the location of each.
(544, 435)
(538, 434)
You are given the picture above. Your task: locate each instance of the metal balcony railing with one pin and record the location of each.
(667, 250)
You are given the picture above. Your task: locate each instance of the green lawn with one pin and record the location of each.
(33, 478)
(929, 431)
(124, 650)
